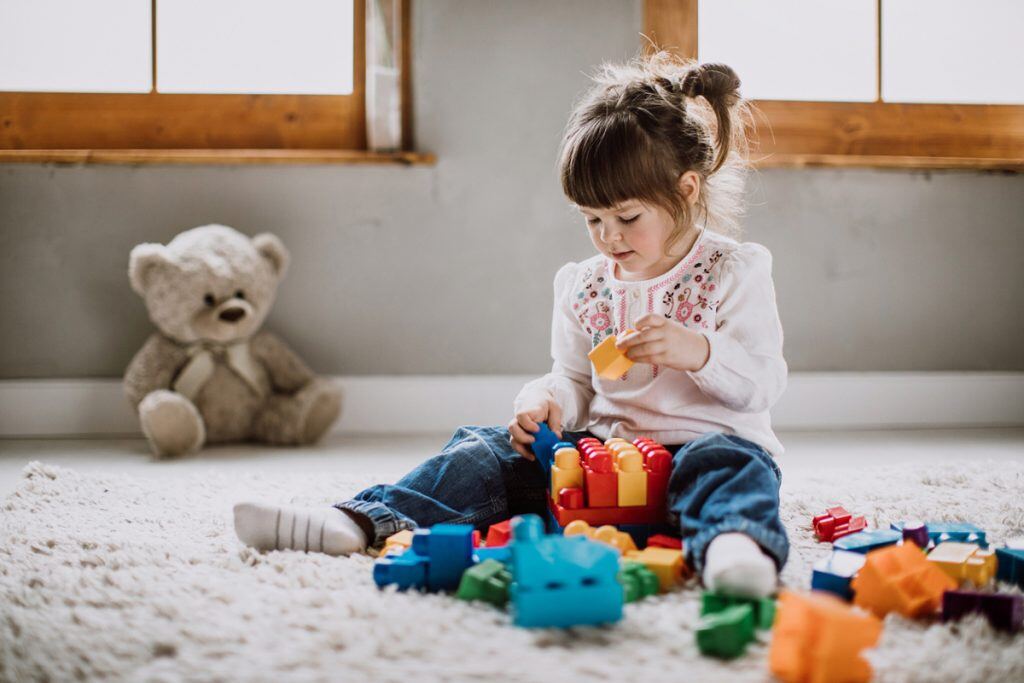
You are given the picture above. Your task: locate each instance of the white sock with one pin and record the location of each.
(273, 527)
(735, 564)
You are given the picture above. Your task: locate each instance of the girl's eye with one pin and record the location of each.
(593, 221)
(209, 300)
(630, 220)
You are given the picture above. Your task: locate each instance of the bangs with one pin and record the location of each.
(609, 160)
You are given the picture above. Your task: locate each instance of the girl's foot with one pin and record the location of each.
(319, 530)
(735, 564)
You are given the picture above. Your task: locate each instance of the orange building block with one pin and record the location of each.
(607, 534)
(817, 638)
(900, 578)
(566, 472)
(632, 478)
(666, 563)
(609, 362)
(965, 562)
(396, 544)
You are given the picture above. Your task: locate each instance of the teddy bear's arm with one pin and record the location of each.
(288, 373)
(152, 368)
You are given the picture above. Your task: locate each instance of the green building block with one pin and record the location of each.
(763, 608)
(726, 633)
(487, 581)
(637, 581)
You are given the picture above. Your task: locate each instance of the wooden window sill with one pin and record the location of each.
(214, 156)
(891, 162)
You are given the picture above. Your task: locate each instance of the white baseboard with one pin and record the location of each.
(424, 404)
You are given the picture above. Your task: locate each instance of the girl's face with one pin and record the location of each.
(633, 235)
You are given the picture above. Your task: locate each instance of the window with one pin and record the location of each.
(201, 80)
(913, 83)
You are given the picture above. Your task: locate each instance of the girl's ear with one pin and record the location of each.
(273, 250)
(689, 187)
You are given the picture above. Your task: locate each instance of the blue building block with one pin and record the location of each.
(561, 582)
(960, 532)
(865, 541)
(544, 447)
(834, 573)
(408, 570)
(501, 553)
(1011, 565)
(449, 552)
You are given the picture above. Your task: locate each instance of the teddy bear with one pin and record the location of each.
(209, 374)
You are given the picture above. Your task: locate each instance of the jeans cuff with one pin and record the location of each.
(385, 521)
(774, 544)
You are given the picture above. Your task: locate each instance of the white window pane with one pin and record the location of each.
(813, 50)
(75, 46)
(953, 51)
(301, 47)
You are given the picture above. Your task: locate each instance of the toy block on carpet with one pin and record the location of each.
(965, 562)
(835, 523)
(900, 579)
(725, 633)
(834, 573)
(866, 541)
(1004, 611)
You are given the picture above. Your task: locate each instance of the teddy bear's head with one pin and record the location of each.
(210, 283)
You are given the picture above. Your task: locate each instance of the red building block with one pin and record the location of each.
(476, 538)
(658, 464)
(664, 541)
(499, 534)
(571, 498)
(600, 480)
(835, 523)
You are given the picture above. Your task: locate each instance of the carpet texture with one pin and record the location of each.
(142, 579)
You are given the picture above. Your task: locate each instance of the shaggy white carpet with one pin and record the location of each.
(119, 578)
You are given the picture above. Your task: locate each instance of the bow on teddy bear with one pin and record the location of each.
(209, 374)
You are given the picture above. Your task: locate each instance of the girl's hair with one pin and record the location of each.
(645, 123)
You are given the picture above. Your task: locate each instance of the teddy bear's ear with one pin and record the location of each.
(145, 260)
(272, 249)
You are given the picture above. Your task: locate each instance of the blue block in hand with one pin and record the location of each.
(544, 447)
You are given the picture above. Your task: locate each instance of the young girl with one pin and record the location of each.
(653, 157)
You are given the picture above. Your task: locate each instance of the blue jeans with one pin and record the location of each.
(719, 483)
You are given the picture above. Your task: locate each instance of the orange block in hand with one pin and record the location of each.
(900, 578)
(609, 362)
(818, 638)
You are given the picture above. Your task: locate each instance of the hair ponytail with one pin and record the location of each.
(720, 86)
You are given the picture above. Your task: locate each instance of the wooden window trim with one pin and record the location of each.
(875, 134)
(165, 128)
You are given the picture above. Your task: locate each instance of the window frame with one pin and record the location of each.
(201, 128)
(798, 133)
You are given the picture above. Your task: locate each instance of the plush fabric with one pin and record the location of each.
(209, 374)
(142, 579)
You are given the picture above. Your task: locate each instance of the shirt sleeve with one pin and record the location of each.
(745, 371)
(569, 382)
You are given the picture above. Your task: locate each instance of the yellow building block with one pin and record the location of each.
(965, 562)
(632, 479)
(666, 563)
(607, 534)
(566, 472)
(397, 543)
(609, 362)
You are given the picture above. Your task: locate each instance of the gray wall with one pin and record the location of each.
(447, 269)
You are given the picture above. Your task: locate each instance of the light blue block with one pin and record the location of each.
(1011, 565)
(866, 541)
(834, 573)
(960, 532)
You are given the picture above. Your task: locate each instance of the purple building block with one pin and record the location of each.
(916, 533)
(1004, 611)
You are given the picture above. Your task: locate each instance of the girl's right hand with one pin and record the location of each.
(526, 423)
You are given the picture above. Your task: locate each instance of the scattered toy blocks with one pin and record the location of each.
(449, 550)
(607, 534)
(561, 582)
(609, 362)
(488, 581)
(900, 579)
(762, 609)
(667, 564)
(916, 533)
(637, 581)
(866, 541)
(960, 532)
(1011, 565)
(835, 523)
(817, 637)
(726, 633)
(834, 573)
(965, 562)
(405, 570)
(1004, 611)
(498, 534)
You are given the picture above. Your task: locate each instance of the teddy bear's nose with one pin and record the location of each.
(233, 314)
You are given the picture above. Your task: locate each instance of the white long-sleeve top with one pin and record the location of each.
(721, 288)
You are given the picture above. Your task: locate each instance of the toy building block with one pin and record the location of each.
(543, 446)
(561, 582)
(866, 541)
(637, 581)
(817, 637)
(449, 552)
(396, 544)
(834, 573)
(762, 609)
(960, 532)
(601, 481)
(658, 464)
(571, 499)
(1004, 611)
(900, 579)
(916, 533)
(667, 564)
(405, 570)
(665, 541)
(609, 362)
(498, 534)
(566, 472)
(1011, 565)
(965, 562)
(501, 553)
(632, 479)
(606, 534)
(835, 523)
(726, 633)
(488, 581)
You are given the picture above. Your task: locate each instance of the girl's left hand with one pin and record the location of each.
(660, 341)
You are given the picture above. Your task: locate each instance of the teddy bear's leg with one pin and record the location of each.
(172, 423)
(301, 418)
